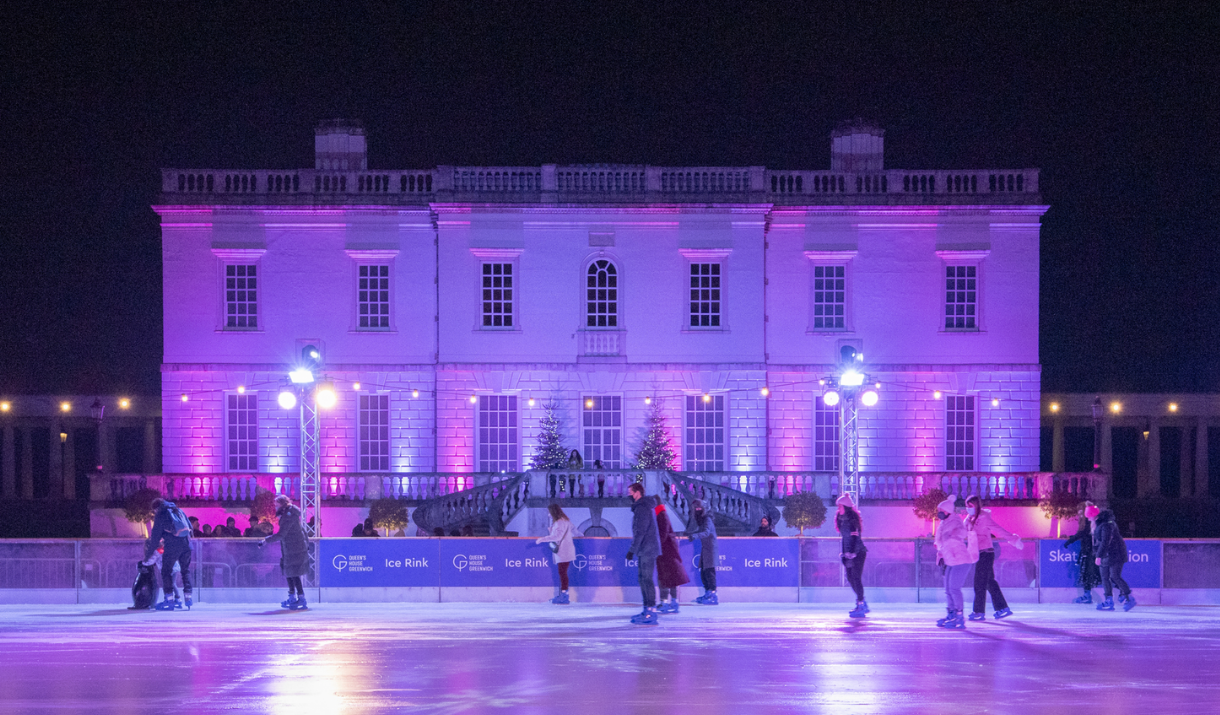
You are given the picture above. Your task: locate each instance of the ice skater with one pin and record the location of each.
(1089, 577)
(850, 526)
(979, 521)
(563, 547)
(645, 548)
(670, 574)
(704, 529)
(1110, 555)
(294, 550)
(171, 527)
(953, 552)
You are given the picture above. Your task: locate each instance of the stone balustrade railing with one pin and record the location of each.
(608, 182)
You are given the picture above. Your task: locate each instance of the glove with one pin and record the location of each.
(849, 556)
(262, 542)
(630, 555)
(1017, 543)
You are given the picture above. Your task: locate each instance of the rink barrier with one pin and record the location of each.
(778, 569)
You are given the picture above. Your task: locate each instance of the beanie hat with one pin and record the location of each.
(696, 505)
(845, 500)
(948, 505)
(1091, 511)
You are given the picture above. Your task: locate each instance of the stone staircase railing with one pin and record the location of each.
(490, 505)
(741, 511)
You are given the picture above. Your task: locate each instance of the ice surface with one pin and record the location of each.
(480, 658)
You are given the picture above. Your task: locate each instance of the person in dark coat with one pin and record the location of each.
(1110, 553)
(294, 550)
(703, 528)
(670, 574)
(764, 528)
(1089, 577)
(850, 526)
(645, 548)
(177, 551)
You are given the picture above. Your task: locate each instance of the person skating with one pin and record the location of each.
(955, 555)
(172, 529)
(1110, 554)
(670, 574)
(645, 548)
(562, 546)
(1089, 577)
(703, 528)
(979, 521)
(294, 550)
(850, 526)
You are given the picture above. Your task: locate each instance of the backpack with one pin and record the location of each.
(180, 525)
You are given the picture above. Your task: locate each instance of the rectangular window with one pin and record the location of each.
(373, 297)
(705, 433)
(961, 297)
(241, 415)
(825, 437)
(241, 296)
(374, 433)
(705, 295)
(602, 428)
(497, 294)
(959, 433)
(496, 433)
(829, 297)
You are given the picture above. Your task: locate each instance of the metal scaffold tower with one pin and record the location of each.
(849, 445)
(310, 469)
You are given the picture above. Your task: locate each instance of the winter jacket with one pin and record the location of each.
(709, 554)
(562, 532)
(985, 526)
(1108, 544)
(163, 529)
(764, 532)
(645, 542)
(1084, 534)
(670, 573)
(851, 533)
(294, 547)
(951, 542)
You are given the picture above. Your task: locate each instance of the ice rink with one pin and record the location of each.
(479, 658)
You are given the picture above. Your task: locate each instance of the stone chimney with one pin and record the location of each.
(339, 146)
(857, 146)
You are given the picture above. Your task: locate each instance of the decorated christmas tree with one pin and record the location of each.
(550, 453)
(656, 452)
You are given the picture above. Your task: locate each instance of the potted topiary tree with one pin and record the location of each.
(925, 505)
(804, 510)
(389, 515)
(138, 507)
(1060, 505)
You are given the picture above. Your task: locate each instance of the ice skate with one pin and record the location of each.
(1003, 613)
(189, 601)
(1106, 605)
(668, 607)
(1087, 598)
(976, 616)
(292, 599)
(940, 622)
(958, 622)
(299, 604)
(647, 617)
(860, 611)
(562, 599)
(1129, 602)
(710, 599)
(169, 604)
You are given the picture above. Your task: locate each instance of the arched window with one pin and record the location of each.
(601, 295)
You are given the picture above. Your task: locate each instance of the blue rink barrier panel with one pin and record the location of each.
(1059, 568)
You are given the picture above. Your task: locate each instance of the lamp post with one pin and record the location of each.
(848, 391)
(1097, 412)
(97, 410)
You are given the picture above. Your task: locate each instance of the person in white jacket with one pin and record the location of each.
(953, 552)
(979, 521)
(564, 548)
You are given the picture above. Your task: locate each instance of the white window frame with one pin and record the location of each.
(697, 256)
(962, 259)
(240, 257)
(951, 438)
(820, 441)
(827, 259)
(368, 258)
(229, 441)
(504, 256)
(687, 460)
(515, 410)
(362, 444)
(587, 449)
(618, 293)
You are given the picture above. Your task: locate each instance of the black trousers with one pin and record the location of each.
(1112, 573)
(855, 573)
(985, 583)
(708, 577)
(180, 555)
(648, 586)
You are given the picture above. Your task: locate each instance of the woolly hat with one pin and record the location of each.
(845, 500)
(1091, 511)
(696, 505)
(948, 505)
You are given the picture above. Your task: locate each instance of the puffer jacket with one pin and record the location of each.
(645, 542)
(709, 553)
(851, 532)
(951, 542)
(562, 532)
(985, 527)
(163, 530)
(1108, 544)
(294, 547)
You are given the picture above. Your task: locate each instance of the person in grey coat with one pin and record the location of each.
(294, 550)
(645, 548)
(703, 528)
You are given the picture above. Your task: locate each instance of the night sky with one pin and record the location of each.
(1118, 107)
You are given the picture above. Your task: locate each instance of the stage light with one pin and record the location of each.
(830, 398)
(325, 395)
(287, 399)
(851, 378)
(869, 398)
(301, 376)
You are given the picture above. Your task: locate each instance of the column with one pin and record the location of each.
(56, 461)
(1107, 459)
(1150, 483)
(9, 467)
(1186, 456)
(1201, 463)
(70, 464)
(105, 448)
(27, 462)
(151, 465)
(1057, 460)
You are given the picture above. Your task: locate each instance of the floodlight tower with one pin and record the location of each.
(310, 397)
(848, 392)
